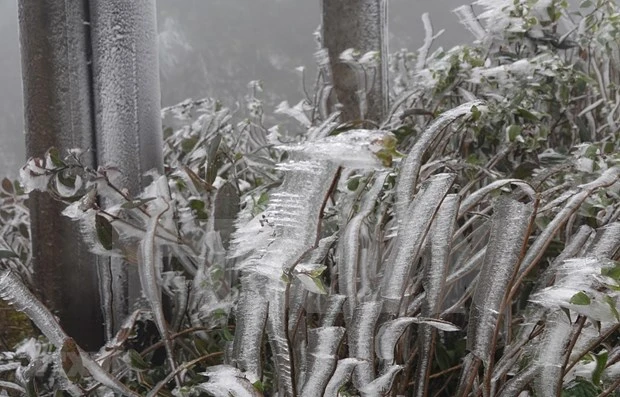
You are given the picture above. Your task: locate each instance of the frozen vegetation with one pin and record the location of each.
(466, 245)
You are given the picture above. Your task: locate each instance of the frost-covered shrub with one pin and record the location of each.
(468, 245)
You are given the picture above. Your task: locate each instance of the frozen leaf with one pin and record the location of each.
(310, 277)
(333, 309)
(129, 205)
(411, 233)
(225, 209)
(34, 176)
(580, 298)
(536, 250)
(105, 232)
(341, 376)
(441, 325)
(410, 167)
(323, 344)
(149, 269)
(71, 361)
(350, 246)
(555, 339)
(15, 292)
(227, 381)
(353, 148)
(382, 384)
(435, 273)
(296, 112)
(388, 335)
(508, 234)
(577, 287)
(362, 340)
(251, 316)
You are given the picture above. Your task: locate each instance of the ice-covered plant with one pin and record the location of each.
(468, 245)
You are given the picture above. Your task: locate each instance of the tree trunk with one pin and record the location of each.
(361, 25)
(128, 121)
(57, 112)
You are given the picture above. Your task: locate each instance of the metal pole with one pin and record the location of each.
(361, 25)
(58, 112)
(127, 114)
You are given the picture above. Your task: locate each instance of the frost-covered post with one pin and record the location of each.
(57, 112)
(361, 25)
(128, 121)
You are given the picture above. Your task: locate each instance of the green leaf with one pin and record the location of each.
(7, 185)
(613, 272)
(105, 232)
(312, 283)
(612, 306)
(136, 361)
(580, 387)
(601, 362)
(258, 385)
(580, 298)
(71, 361)
(353, 183)
(585, 4)
(513, 131)
(54, 155)
(5, 254)
(526, 114)
(188, 144)
(199, 209)
(225, 209)
(475, 113)
(129, 205)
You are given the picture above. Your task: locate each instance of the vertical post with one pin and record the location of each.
(57, 111)
(127, 119)
(361, 25)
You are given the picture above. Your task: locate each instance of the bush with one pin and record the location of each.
(484, 261)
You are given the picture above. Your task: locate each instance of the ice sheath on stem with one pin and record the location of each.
(13, 290)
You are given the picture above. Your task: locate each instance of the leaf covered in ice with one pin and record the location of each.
(323, 344)
(509, 231)
(411, 233)
(353, 149)
(226, 381)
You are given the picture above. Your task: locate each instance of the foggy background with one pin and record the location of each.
(213, 48)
